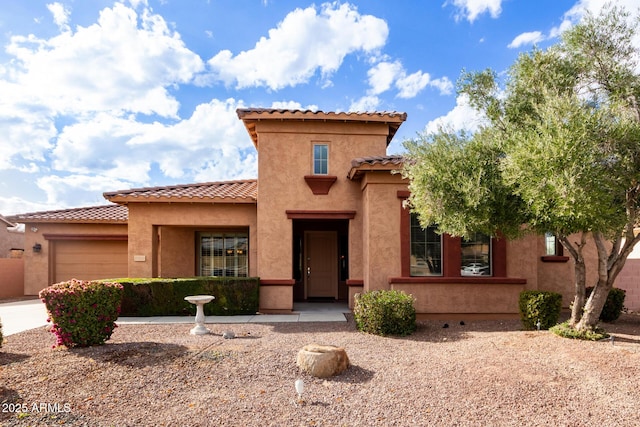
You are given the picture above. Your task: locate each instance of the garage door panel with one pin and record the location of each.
(90, 259)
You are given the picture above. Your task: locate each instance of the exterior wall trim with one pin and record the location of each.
(554, 258)
(277, 282)
(460, 280)
(320, 184)
(305, 214)
(50, 236)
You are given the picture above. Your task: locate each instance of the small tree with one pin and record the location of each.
(560, 152)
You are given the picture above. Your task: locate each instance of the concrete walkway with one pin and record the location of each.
(24, 315)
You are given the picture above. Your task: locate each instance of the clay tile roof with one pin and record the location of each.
(241, 191)
(251, 115)
(374, 163)
(104, 214)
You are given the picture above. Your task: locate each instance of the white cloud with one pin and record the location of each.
(305, 42)
(471, 9)
(15, 205)
(124, 62)
(577, 12)
(366, 103)
(211, 145)
(87, 188)
(528, 38)
(60, 15)
(409, 86)
(461, 117)
(293, 105)
(384, 75)
(443, 84)
(212, 138)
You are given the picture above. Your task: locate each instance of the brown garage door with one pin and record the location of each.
(90, 259)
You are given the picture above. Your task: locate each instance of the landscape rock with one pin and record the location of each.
(322, 361)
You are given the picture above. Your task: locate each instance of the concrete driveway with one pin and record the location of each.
(22, 315)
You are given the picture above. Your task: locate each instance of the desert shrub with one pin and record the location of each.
(566, 331)
(165, 297)
(539, 306)
(613, 306)
(83, 313)
(385, 312)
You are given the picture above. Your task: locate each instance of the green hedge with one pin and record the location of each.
(540, 306)
(165, 297)
(385, 312)
(613, 306)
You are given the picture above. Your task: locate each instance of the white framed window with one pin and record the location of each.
(223, 254)
(320, 159)
(476, 255)
(426, 249)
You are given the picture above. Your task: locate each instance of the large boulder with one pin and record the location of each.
(322, 361)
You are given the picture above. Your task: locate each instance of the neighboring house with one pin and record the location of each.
(324, 220)
(11, 263)
(11, 239)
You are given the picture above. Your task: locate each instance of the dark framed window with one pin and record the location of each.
(475, 255)
(320, 159)
(223, 254)
(426, 249)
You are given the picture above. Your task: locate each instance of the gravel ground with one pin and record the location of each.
(477, 374)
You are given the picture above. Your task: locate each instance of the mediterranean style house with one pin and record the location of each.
(324, 220)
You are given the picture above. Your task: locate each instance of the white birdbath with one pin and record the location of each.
(199, 301)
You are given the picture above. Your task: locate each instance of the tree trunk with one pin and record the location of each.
(595, 303)
(580, 276)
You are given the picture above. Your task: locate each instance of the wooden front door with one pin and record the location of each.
(321, 264)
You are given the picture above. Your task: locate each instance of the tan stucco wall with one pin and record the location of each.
(37, 275)
(11, 277)
(381, 229)
(285, 157)
(177, 224)
(10, 239)
(464, 298)
(177, 252)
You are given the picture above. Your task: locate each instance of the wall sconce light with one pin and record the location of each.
(37, 247)
(34, 229)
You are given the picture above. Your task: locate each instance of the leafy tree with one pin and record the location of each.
(560, 152)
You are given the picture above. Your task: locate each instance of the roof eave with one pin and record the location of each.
(124, 200)
(250, 116)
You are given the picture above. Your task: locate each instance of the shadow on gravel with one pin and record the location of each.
(8, 395)
(134, 354)
(8, 358)
(353, 375)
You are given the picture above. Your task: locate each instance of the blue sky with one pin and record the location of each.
(105, 95)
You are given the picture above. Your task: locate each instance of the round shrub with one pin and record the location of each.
(385, 312)
(539, 306)
(613, 306)
(83, 313)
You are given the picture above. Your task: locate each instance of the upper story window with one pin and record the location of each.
(476, 255)
(551, 245)
(426, 249)
(320, 159)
